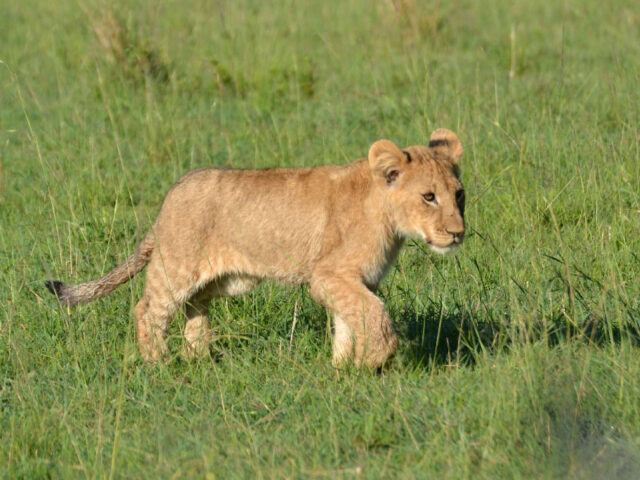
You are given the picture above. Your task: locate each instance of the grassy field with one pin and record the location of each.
(519, 354)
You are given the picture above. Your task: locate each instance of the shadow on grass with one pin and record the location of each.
(435, 337)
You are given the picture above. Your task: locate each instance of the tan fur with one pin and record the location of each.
(336, 228)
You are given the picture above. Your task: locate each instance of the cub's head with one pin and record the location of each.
(424, 197)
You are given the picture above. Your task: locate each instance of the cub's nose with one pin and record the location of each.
(457, 234)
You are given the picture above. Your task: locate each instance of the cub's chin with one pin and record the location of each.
(442, 250)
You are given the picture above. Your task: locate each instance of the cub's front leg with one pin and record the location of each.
(362, 328)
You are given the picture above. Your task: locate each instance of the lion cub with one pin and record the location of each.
(337, 228)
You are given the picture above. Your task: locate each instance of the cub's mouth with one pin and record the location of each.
(440, 248)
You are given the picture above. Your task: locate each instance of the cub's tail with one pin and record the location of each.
(90, 291)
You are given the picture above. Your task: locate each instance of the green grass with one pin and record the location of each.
(519, 355)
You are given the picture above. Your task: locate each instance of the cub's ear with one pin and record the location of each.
(386, 160)
(447, 143)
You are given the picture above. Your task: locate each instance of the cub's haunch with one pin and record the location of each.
(337, 228)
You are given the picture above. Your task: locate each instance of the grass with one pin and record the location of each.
(519, 355)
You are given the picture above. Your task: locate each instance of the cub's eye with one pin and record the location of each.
(429, 197)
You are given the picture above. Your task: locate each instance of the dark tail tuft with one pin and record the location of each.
(55, 287)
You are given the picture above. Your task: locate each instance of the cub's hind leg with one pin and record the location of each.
(153, 314)
(197, 332)
(165, 291)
